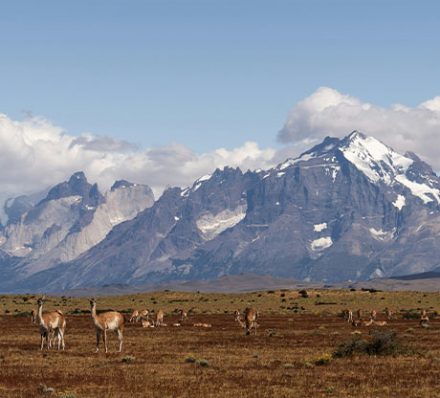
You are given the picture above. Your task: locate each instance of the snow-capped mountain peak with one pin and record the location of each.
(380, 163)
(376, 160)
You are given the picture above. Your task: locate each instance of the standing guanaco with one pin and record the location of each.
(237, 318)
(158, 319)
(424, 318)
(183, 315)
(111, 320)
(134, 316)
(250, 320)
(389, 314)
(50, 322)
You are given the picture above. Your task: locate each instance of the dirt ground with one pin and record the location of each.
(289, 356)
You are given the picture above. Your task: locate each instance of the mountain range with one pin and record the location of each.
(347, 209)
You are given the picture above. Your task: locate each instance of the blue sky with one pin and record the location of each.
(208, 74)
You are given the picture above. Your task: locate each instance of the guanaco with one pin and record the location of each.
(134, 316)
(159, 318)
(424, 318)
(250, 320)
(50, 322)
(111, 320)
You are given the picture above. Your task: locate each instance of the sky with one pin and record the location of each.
(164, 91)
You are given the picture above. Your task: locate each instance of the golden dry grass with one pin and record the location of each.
(279, 362)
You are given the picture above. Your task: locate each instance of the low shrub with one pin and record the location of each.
(378, 343)
(128, 359)
(323, 360)
(203, 363)
(200, 362)
(410, 314)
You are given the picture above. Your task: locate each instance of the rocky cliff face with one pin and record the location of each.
(348, 209)
(72, 218)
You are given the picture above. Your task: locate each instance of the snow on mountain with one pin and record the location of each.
(376, 160)
(211, 225)
(347, 209)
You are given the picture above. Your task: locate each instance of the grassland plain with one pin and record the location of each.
(289, 356)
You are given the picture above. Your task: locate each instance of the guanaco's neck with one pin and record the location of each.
(40, 313)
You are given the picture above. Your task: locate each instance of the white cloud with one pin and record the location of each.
(35, 154)
(329, 112)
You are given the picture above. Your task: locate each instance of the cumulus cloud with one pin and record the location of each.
(35, 154)
(329, 112)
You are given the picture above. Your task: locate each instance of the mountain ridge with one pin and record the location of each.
(347, 209)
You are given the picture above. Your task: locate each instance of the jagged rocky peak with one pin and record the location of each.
(349, 208)
(72, 217)
(77, 185)
(378, 162)
(323, 148)
(121, 184)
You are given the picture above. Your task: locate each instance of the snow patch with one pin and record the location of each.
(320, 227)
(184, 268)
(399, 202)
(291, 162)
(185, 193)
(420, 190)
(199, 182)
(321, 243)
(380, 234)
(204, 178)
(286, 164)
(335, 171)
(210, 225)
(377, 273)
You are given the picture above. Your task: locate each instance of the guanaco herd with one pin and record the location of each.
(52, 324)
(372, 318)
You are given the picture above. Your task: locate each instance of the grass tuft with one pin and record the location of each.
(43, 389)
(323, 360)
(67, 395)
(128, 359)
